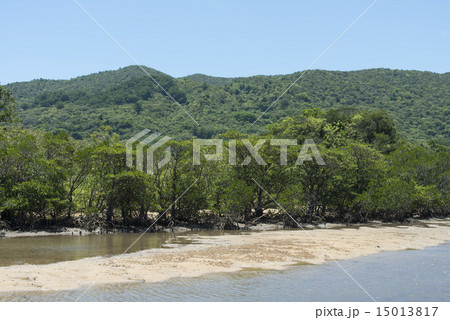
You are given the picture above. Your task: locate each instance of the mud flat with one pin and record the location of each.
(227, 253)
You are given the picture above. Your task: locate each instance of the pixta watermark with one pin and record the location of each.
(145, 148)
(150, 151)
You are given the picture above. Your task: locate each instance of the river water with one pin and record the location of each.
(57, 248)
(412, 275)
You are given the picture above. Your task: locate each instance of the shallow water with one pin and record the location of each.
(413, 275)
(57, 248)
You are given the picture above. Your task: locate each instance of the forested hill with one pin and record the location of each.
(89, 83)
(128, 101)
(214, 81)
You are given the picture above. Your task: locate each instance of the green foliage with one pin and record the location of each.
(7, 106)
(394, 196)
(133, 195)
(209, 80)
(417, 102)
(370, 172)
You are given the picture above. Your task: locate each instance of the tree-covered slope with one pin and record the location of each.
(214, 81)
(89, 83)
(128, 101)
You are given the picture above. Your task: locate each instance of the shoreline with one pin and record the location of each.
(76, 231)
(274, 250)
(72, 231)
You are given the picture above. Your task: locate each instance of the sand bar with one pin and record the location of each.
(228, 253)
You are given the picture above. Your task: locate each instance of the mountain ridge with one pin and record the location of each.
(127, 100)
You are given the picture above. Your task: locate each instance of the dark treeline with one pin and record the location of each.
(370, 173)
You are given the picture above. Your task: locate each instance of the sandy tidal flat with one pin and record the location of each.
(268, 250)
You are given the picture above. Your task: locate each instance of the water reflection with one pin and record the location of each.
(50, 249)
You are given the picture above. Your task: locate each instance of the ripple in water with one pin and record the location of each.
(416, 275)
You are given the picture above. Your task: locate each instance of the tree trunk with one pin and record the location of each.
(109, 212)
(311, 206)
(142, 214)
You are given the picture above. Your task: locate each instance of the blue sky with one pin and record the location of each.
(54, 39)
